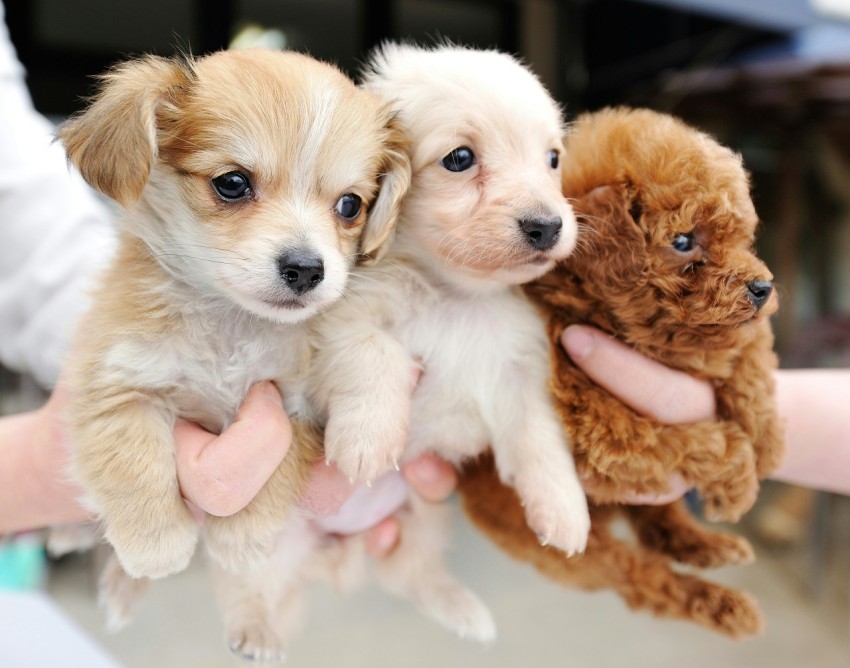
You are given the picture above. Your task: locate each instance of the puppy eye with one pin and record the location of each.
(459, 160)
(553, 158)
(232, 185)
(348, 206)
(684, 242)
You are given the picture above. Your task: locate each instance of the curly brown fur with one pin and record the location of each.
(641, 181)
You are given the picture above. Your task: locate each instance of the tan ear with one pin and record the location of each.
(114, 141)
(395, 182)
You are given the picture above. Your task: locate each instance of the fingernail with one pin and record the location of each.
(578, 341)
(271, 392)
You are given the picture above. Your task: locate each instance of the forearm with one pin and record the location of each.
(813, 403)
(34, 491)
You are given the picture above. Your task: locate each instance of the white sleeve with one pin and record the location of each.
(55, 234)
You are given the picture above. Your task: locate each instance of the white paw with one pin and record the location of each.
(118, 594)
(256, 642)
(365, 450)
(155, 550)
(66, 538)
(558, 515)
(459, 610)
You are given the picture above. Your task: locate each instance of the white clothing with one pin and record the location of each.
(55, 232)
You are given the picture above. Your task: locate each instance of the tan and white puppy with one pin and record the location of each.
(484, 214)
(252, 180)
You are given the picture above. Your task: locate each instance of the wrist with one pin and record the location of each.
(35, 489)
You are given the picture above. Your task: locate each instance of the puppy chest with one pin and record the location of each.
(475, 356)
(208, 377)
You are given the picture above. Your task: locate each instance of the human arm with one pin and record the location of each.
(56, 233)
(810, 401)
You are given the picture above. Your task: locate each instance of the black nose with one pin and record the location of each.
(300, 271)
(541, 233)
(759, 292)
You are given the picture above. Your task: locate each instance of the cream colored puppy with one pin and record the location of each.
(251, 181)
(484, 214)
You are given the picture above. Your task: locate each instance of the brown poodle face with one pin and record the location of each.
(661, 260)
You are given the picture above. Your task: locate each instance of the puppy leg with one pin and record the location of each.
(415, 570)
(673, 531)
(728, 482)
(264, 608)
(643, 578)
(118, 593)
(368, 402)
(748, 398)
(533, 456)
(246, 539)
(124, 458)
(624, 453)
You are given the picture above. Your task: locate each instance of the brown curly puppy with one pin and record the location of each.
(667, 266)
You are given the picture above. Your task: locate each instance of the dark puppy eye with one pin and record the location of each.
(459, 160)
(684, 242)
(232, 185)
(348, 206)
(553, 158)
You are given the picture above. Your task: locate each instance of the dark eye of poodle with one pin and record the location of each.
(232, 186)
(459, 160)
(553, 159)
(684, 242)
(348, 206)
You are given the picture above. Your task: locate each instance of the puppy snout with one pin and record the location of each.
(301, 271)
(541, 233)
(759, 292)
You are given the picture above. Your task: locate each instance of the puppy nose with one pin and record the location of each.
(541, 233)
(300, 271)
(759, 292)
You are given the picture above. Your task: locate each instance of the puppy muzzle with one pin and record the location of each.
(541, 233)
(301, 271)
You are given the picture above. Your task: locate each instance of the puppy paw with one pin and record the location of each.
(722, 550)
(236, 544)
(67, 538)
(724, 505)
(255, 641)
(155, 549)
(559, 515)
(731, 612)
(460, 611)
(118, 594)
(363, 450)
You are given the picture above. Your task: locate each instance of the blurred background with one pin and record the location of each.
(771, 78)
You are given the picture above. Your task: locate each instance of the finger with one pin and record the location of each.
(431, 477)
(221, 474)
(650, 388)
(382, 538)
(677, 487)
(327, 489)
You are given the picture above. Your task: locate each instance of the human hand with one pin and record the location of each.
(217, 474)
(428, 476)
(650, 388)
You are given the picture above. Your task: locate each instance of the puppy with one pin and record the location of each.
(667, 266)
(484, 214)
(251, 181)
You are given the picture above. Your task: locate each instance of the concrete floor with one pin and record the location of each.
(540, 624)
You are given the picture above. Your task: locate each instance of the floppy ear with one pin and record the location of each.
(114, 141)
(612, 214)
(395, 182)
